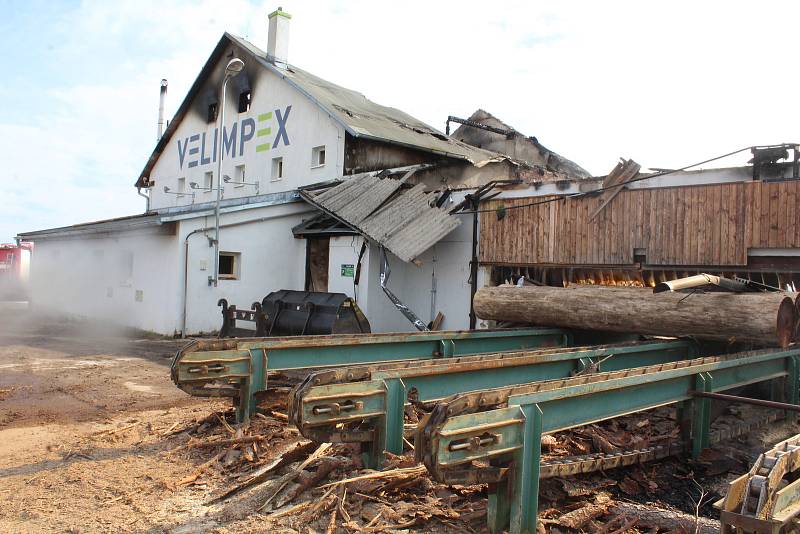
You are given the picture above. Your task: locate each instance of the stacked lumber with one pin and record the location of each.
(765, 319)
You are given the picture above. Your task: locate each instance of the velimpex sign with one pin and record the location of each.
(200, 149)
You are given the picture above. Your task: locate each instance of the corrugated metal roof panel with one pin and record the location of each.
(402, 220)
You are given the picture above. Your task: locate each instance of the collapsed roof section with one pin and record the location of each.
(405, 220)
(486, 131)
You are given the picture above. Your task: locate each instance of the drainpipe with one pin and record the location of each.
(144, 196)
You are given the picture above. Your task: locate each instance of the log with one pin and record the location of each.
(309, 480)
(666, 519)
(767, 319)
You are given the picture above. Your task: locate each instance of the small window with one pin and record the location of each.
(212, 112)
(239, 176)
(277, 169)
(181, 185)
(229, 265)
(207, 177)
(244, 102)
(318, 156)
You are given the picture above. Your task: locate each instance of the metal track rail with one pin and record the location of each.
(366, 404)
(766, 500)
(501, 428)
(592, 463)
(238, 368)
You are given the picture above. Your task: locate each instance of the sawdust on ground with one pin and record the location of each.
(94, 437)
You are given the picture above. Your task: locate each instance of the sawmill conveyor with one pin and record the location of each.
(238, 368)
(367, 404)
(494, 435)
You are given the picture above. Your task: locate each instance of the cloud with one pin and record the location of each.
(665, 84)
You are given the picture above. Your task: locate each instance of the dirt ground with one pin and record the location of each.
(61, 387)
(94, 437)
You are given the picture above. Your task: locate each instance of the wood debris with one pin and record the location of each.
(307, 487)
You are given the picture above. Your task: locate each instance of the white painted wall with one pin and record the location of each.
(307, 126)
(271, 259)
(89, 277)
(99, 277)
(449, 259)
(344, 251)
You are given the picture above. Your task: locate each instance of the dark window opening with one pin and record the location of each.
(277, 169)
(229, 265)
(212, 112)
(244, 102)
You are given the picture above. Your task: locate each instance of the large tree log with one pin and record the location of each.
(764, 318)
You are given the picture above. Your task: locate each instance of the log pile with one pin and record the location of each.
(764, 319)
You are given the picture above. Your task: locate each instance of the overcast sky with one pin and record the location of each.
(667, 83)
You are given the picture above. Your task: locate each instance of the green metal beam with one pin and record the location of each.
(373, 400)
(238, 367)
(513, 432)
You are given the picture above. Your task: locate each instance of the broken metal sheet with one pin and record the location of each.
(402, 220)
(405, 310)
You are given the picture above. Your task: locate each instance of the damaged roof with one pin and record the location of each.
(537, 154)
(359, 116)
(362, 117)
(404, 220)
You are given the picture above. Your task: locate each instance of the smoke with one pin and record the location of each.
(108, 280)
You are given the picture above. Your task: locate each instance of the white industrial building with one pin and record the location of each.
(291, 144)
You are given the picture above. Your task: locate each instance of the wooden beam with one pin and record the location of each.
(624, 171)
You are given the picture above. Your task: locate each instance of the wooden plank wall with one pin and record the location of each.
(692, 225)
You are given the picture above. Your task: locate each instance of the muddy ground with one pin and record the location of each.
(94, 437)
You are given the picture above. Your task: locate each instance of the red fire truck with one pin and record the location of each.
(15, 263)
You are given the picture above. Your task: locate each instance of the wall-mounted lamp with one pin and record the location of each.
(233, 68)
(195, 185)
(170, 192)
(227, 179)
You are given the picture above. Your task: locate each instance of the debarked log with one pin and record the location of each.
(766, 319)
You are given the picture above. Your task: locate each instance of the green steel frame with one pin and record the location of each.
(503, 427)
(370, 401)
(238, 367)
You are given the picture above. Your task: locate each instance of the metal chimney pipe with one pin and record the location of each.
(162, 97)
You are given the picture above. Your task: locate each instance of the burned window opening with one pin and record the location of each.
(212, 112)
(244, 101)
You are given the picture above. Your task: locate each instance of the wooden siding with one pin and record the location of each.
(693, 225)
